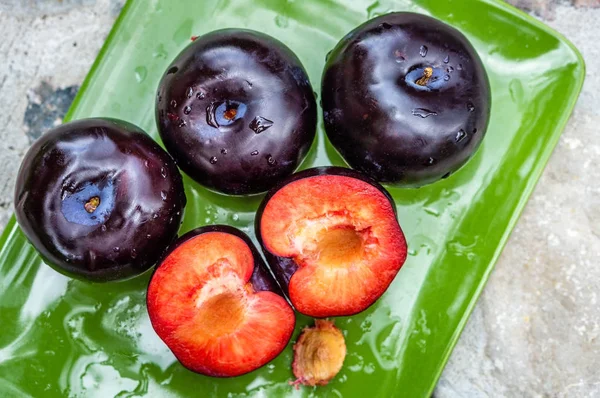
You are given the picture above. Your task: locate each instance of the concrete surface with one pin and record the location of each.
(535, 331)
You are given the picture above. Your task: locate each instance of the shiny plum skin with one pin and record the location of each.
(236, 110)
(389, 123)
(139, 192)
(283, 267)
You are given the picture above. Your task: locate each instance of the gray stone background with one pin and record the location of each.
(536, 330)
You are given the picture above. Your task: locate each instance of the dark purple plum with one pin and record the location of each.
(331, 237)
(236, 110)
(406, 99)
(99, 199)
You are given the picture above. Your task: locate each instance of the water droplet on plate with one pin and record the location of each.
(281, 21)
(254, 153)
(460, 135)
(423, 113)
(235, 217)
(187, 110)
(190, 92)
(447, 59)
(260, 124)
(213, 160)
(140, 74)
(423, 51)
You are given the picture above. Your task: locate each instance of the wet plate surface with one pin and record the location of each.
(63, 337)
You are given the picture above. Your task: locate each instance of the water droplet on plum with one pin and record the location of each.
(163, 195)
(260, 124)
(254, 153)
(385, 25)
(187, 110)
(271, 161)
(116, 249)
(423, 113)
(449, 69)
(172, 70)
(460, 135)
(190, 92)
(224, 151)
(200, 95)
(423, 51)
(133, 253)
(103, 228)
(213, 160)
(163, 172)
(446, 77)
(459, 66)
(182, 123)
(173, 103)
(470, 107)
(447, 59)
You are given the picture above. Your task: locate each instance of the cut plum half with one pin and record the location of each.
(332, 240)
(214, 303)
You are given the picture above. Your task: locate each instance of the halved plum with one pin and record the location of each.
(216, 306)
(332, 240)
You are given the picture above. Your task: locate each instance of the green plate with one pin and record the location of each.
(63, 337)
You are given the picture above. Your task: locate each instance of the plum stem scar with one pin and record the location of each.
(427, 73)
(91, 205)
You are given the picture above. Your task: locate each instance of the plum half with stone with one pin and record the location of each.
(99, 199)
(332, 239)
(406, 99)
(237, 111)
(214, 303)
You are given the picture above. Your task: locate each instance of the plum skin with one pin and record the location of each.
(387, 125)
(139, 206)
(237, 111)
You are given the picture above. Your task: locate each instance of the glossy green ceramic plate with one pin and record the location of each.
(62, 337)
